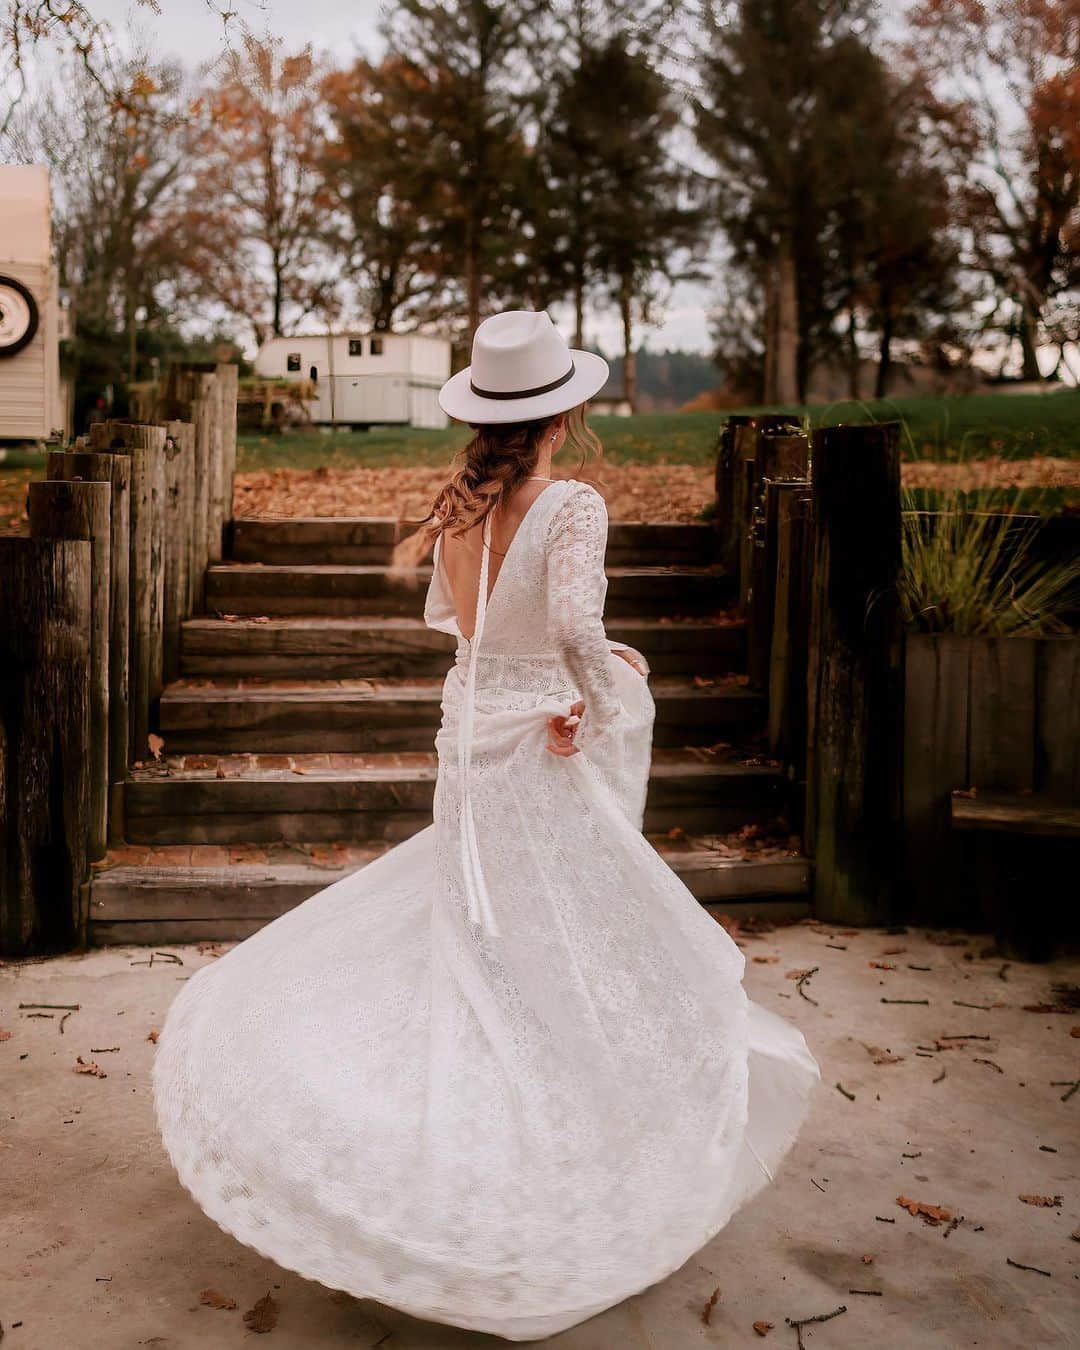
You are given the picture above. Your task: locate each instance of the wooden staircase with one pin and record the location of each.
(298, 740)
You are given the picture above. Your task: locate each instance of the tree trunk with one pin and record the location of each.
(787, 327)
(884, 369)
(626, 297)
(1029, 340)
(853, 354)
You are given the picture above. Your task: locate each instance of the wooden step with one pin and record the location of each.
(346, 589)
(305, 798)
(162, 905)
(322, 647)
(301, 540)
(347, 716)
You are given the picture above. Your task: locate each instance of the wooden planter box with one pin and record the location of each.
(983, 713)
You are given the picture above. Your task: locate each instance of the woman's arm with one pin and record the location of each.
(577, 586)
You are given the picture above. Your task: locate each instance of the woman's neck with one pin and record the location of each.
(543, 461)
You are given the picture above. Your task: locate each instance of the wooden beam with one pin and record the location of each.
(70, 510)
(45, 602)
(854, 678)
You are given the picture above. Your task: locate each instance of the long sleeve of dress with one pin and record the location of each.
(577, 586)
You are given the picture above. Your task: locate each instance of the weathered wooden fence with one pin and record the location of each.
(121, 532)
(883, 727)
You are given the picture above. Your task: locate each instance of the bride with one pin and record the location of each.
(506, 1075)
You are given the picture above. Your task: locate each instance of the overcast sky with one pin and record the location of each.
(192, 32)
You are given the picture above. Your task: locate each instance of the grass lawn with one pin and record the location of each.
(1012, 426)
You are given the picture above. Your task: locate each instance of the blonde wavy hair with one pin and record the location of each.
(496, 461)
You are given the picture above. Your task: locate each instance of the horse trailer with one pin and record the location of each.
(363, 379)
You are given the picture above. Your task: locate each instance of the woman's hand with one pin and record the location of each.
(634, 660)
(562, 729)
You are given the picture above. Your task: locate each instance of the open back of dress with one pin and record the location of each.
(506, 1075)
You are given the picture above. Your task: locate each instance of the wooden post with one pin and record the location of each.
(725, 489)
(116, 471)
(745, 522)
(44, 743)
(229, 385)
(179, 511)
(146, 446)
(781, 457)
(791, 625)
(215, 467)
(60, 510)
(202, 415)
(738, 442)
(854, 707)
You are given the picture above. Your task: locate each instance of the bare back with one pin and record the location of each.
(461, 555)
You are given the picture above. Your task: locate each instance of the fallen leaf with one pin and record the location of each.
(763, 1328)
(796, 974)
(153, 1036)
(261, 618)
(6, 1035)
(219, 772)
(88, 1066)
(1073, 1031)
(883, 1056)
(882, 965)
(156, 744)
(263, 1317)
(868, 1260)
(766, 960)
(706, 1312)
(210, 1298)
(931, 1214)
(1046, 1201)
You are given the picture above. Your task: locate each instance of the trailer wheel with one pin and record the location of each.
(18, 316)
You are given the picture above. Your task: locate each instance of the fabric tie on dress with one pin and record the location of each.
(479, 905)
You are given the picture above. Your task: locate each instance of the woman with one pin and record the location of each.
(506, 1075)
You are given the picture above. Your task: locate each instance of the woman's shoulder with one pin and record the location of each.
(580, 503)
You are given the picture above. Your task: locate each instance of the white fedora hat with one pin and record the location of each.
(521, 369)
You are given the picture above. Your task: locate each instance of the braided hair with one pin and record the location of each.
(494, 464)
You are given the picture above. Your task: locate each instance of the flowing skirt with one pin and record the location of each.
(505, 1133)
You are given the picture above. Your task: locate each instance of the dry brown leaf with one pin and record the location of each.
(796, 974)
(210, 1298)
(766, 960)
(6, 1035)
(1046, 1201)
(763, 1328)
(1074, 1031)
(220, 770)
(88, 1066)
(883, 1056)
(156, 744)
(263, 1317)
(153, 1035)
(261, 618)
(882, 965)
(868, 1260)
(706, 1312)
(931, 1214)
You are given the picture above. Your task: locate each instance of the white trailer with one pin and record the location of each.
(364, 379)
(31, 400)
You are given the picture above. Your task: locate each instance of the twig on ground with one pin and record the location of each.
(1035, 1269)
(940, 1076)
(849, 1095)
(1064, 1082)
(971, 1036)
(820, 1188)
(910, 967)
(875, 1293)
(104, 1050)
(906, 1000)
(800, 1322)
(706, 1312)
(62, 1021)
(881, 1219)
(976, 1060)
(57, 1007)
(802, 980)
(982, 1007)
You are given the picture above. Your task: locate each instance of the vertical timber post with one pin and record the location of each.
(116, 471)
(855, 695)
(44, 743)
(70, 510)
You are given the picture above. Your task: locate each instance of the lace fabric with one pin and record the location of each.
(511, 1119)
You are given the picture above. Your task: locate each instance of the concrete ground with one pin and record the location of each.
(100, 1247)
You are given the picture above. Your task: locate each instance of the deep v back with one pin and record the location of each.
(446, 596)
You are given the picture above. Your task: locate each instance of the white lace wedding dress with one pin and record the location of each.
(506, 1075)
